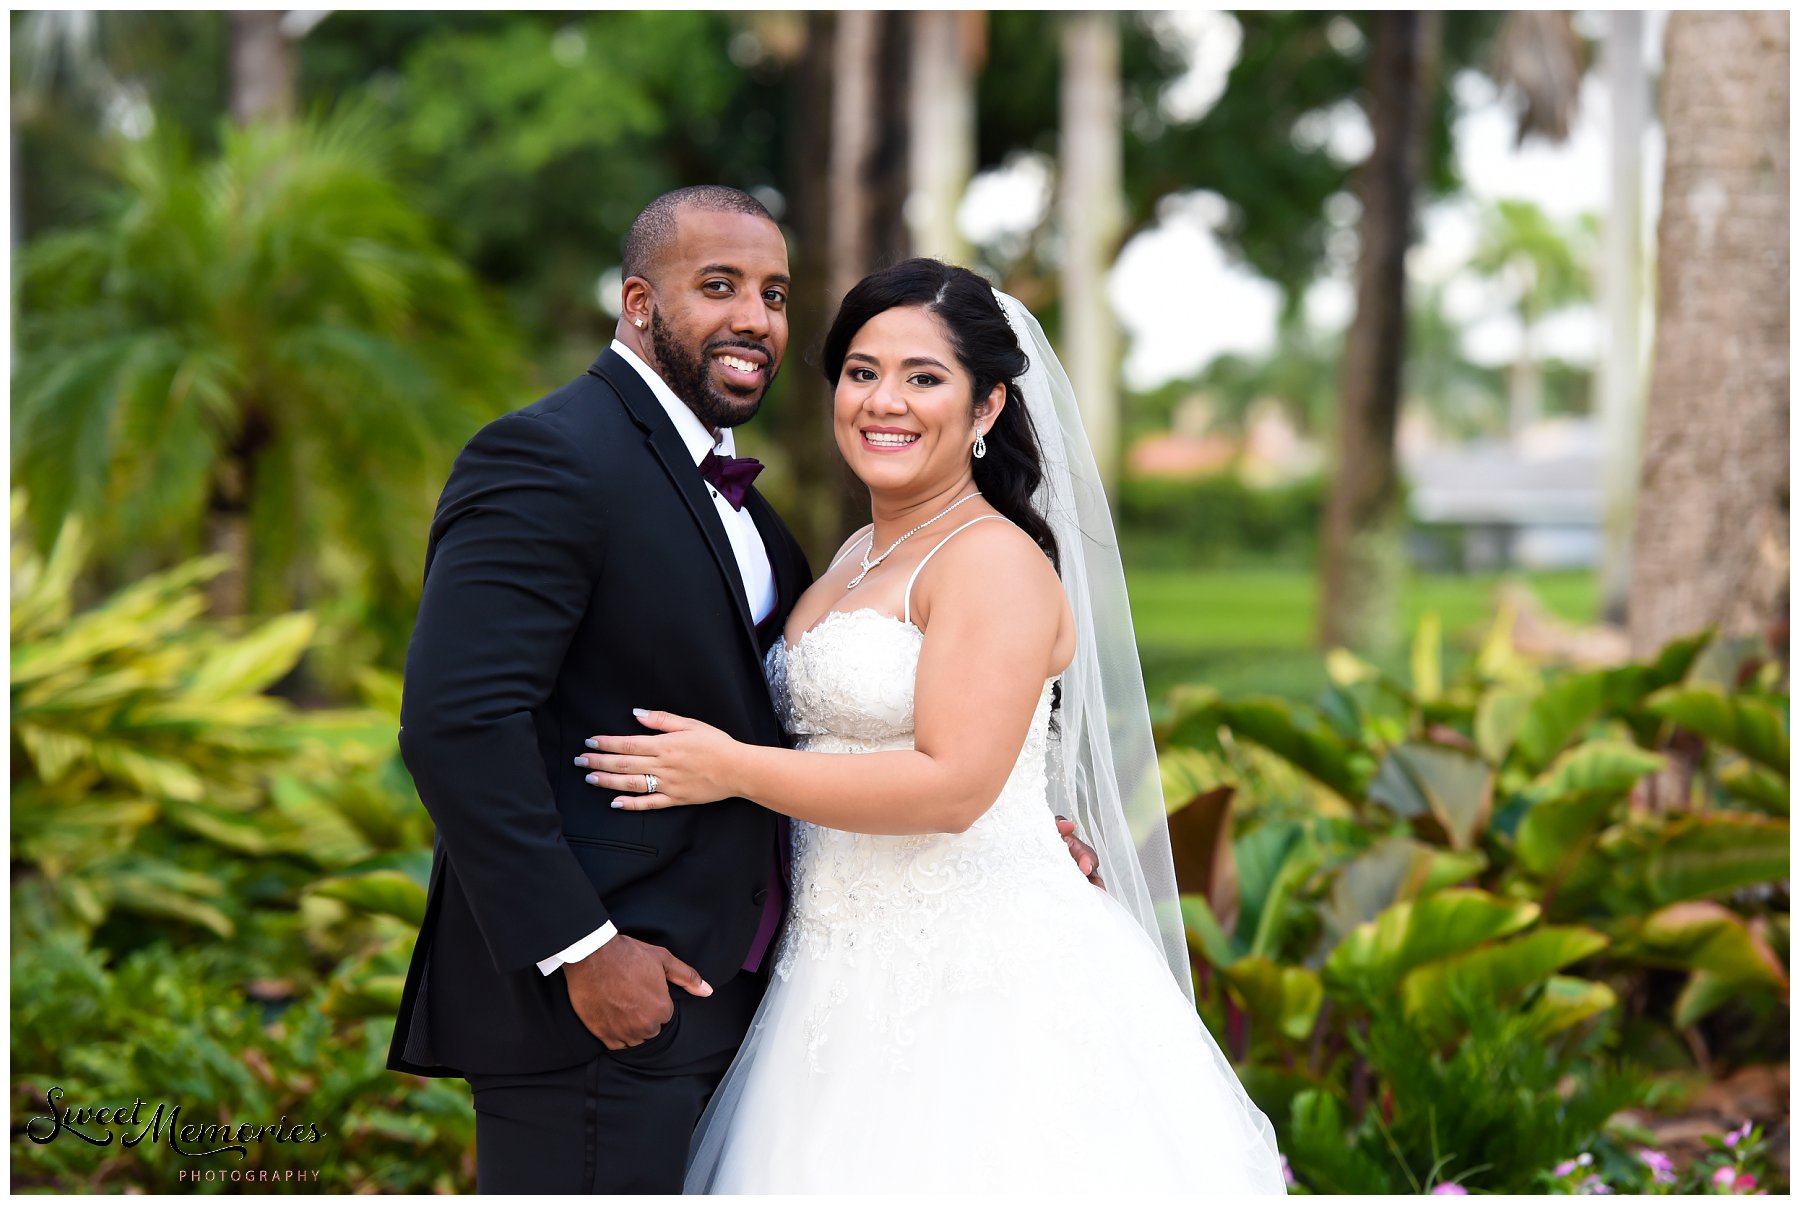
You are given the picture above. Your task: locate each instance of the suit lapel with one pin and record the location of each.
(788, 586)
(665, 443)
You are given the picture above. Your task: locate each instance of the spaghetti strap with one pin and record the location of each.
(850, 548)
(934, 552)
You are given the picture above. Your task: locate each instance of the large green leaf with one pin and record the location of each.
(1557, 830)
(1756, 786)
(1751, 726)
(1261, 857)
(1566, 1001)
(1704, 936)
(1287, 996)
(1717, 852)
(1499, 717)
(1397, 868)
(1205, 934)
(1304, 738)
(1497, 972)
(1598, 765)
(1704, 992)
(1558, 715)
(1452, 790)
(389, 892)
(257, 661)
(1411, 934)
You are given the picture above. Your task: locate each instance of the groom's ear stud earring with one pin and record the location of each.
(640, 324)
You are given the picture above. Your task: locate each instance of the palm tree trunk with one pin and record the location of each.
(1621, 384)
(1092, 217)
(1711, 546)
(263, 67)
(1360, 550)
(263, 75)
(946, 48)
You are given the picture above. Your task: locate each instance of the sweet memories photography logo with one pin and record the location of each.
(131, 1126)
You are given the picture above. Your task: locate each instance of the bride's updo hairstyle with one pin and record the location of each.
(988, 351)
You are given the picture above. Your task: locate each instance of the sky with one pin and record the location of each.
(1164, 342)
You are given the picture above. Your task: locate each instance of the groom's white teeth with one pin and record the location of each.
(740, 365)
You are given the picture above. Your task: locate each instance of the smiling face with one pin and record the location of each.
(903, 410)
(716, 312)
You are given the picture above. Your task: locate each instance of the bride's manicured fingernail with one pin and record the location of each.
(593, 780)
(581, 761)
(591, 743)
(639, 712)
(618, 803)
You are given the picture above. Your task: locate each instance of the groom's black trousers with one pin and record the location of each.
(620, 1123)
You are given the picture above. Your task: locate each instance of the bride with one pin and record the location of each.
(954, 1007)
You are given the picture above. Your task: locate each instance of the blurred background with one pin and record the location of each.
(1437, 362)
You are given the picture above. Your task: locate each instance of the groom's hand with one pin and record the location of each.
(621, 990)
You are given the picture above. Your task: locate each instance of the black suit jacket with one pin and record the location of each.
(576, 569)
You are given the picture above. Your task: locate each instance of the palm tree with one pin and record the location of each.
(1711, 546)
(1543, 268)
(268, 355)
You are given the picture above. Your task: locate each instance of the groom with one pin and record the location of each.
(591, 972)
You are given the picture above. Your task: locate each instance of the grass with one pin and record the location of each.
(1250, 631)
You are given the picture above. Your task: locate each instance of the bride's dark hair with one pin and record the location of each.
(988, 351)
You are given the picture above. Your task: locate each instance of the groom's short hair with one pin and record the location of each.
(654, 229)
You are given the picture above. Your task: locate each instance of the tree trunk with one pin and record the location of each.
(263, 67)
(815, 491)
(1360, 550)
(946, 49)
(263, 85)
(1712, 529)
(1092, 218)
(846, 221)
(1621, 383)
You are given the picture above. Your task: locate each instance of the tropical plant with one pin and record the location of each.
(271, 349)
(169, 1026)
(214, 893)
(1508, 847)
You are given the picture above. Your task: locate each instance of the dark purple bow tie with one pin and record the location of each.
(731, 475)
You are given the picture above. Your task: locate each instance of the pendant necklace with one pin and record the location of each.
(867, 564)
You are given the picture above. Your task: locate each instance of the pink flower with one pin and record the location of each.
(1594, 1186)
(1287, 1173)
(1662, 1170)
(1738, 1135)
(1732, 1180)
(1449, 1188)
(1564, 1168)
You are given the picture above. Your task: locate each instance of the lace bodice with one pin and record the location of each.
(847, 687)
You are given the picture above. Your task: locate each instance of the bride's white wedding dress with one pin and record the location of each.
(962, 1012)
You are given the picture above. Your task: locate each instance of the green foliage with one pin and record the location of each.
(214, 894)
(172, 1027)
(1470, 1116)
(1189, 521)
(1460, 876)
(275, 330)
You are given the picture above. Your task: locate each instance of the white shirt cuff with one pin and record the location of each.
(581, 949)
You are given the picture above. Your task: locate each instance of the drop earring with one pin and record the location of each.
(980, 444)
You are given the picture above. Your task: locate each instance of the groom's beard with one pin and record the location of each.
(688, 376)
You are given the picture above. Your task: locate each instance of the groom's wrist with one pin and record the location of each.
(579, 950)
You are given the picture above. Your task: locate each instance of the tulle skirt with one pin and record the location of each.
(1030, 1040)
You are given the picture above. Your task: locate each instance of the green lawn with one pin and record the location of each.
(1249, 631)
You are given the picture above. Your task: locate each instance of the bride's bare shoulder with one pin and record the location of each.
(995, 562)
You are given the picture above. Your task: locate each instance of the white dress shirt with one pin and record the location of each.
(746, 545)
